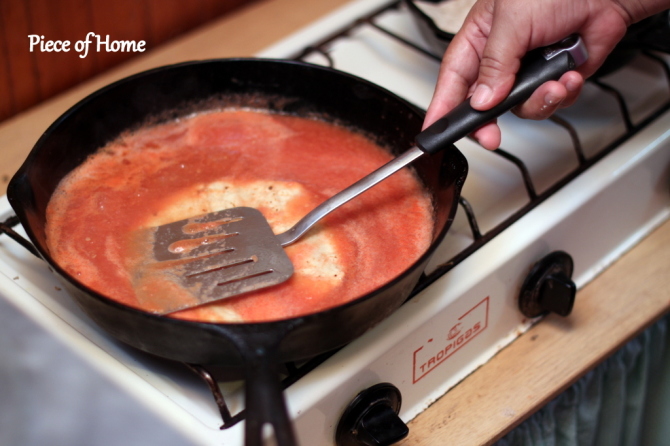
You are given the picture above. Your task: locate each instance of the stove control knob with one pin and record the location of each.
(371, 419)
(549, 287)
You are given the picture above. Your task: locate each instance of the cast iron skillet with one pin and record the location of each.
(290, 87)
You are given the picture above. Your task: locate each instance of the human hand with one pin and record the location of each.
(484, 56)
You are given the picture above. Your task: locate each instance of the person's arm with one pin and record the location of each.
(485, 54)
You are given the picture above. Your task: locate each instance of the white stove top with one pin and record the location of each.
(467, 315)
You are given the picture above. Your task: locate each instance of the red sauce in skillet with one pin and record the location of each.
(282, 165)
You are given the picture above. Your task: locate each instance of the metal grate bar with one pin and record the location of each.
(625, 114)
(470, 215)
(576, 143)
(662, 62)
(6, 227)
(405, 41)
(525, 174)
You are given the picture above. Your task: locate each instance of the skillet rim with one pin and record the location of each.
(20, 180)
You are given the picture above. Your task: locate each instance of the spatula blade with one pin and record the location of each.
(220, 255)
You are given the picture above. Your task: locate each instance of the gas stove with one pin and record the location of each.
(584, 186)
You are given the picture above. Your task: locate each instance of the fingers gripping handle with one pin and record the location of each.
(538, 67)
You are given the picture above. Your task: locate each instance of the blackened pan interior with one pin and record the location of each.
(164, 93)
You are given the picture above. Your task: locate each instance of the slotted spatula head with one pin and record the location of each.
(221, 254)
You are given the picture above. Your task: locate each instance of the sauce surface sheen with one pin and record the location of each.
(282, 165)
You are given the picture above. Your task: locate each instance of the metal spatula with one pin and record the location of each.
(234, 251)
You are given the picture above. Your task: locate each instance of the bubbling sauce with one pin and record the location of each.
(283, 166)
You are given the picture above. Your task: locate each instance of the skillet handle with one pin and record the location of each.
(538, 67)
(264, 399)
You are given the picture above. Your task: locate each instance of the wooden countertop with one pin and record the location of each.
(496, 397)
(555, 353)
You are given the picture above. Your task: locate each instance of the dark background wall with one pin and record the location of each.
(27, 78)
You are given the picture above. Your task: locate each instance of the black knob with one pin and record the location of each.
(371, 419)
(549, 287)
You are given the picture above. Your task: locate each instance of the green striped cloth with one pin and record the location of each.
(625, 401)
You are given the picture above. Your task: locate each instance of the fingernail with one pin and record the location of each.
(481, 95)
(551, 99)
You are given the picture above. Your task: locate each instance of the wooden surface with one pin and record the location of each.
(611, 310)
(29, 77)
(243, 33)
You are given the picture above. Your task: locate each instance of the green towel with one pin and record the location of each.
(625, 401)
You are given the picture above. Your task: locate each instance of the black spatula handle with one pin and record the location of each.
(538, 67)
